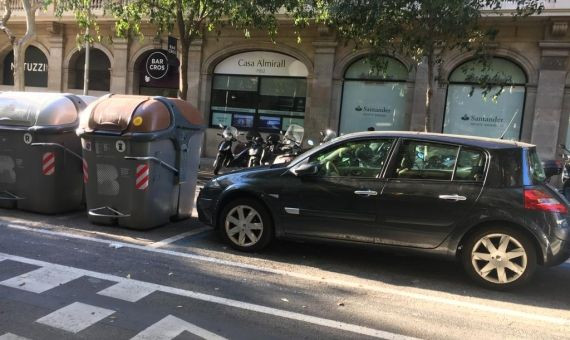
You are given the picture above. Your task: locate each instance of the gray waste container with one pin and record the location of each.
(141, 157)
(40, 154)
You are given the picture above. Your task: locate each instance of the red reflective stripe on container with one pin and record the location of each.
(85, 171)
(48, 163)
(142, 176)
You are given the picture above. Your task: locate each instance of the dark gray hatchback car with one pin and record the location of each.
(482, 201)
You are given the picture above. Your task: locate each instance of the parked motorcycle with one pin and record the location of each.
(291, 145)
(565, 171)
(256, 151)
(271, 149)
(228, 155)
(327, 135)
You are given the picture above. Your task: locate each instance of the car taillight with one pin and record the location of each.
(535, 199)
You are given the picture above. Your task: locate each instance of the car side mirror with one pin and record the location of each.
(306, 169)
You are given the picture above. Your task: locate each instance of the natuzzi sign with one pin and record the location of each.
(262, 63)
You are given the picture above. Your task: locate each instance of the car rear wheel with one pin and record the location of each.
(245, 224)
(499, 258)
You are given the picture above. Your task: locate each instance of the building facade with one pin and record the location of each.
(320, 82)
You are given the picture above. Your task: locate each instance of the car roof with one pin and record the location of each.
(482, 142)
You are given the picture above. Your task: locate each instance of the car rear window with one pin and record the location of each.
(511, 167)
(535, 167)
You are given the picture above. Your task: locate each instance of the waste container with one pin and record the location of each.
(141, 157)
(40, 154)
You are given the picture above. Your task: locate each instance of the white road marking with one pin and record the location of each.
(75, 317)
(414, 293)
(11, 336)
(40, 280)
(128, 291)
(72, 318)
(178, 237)
(170, 327)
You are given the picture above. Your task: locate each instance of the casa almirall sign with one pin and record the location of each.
(262, 63)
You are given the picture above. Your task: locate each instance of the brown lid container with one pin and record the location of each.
(124, 113)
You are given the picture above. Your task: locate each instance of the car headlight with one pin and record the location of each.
(213, 184)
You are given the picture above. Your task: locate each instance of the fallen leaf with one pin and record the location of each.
(341, 304)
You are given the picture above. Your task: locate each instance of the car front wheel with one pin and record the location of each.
(499, 258)
(245, 224)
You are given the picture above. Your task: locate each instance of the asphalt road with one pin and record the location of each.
(64, 278)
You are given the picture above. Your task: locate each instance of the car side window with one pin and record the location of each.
(424, 160)
(470, 165)
(362, 158)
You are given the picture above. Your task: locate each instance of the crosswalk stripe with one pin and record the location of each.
(75, 317)
(233, 303)
(179, 237)
(11, 336)
(127, 290)
(41, 280)
(170, 327)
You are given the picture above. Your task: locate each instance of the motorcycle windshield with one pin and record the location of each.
(295, 133)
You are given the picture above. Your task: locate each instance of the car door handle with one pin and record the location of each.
(366, 192)
(452, 198)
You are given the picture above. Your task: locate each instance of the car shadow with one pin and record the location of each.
(548, 289)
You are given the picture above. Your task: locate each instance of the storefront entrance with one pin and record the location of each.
(262, 90)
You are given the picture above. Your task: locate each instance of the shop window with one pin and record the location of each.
(261, 90)
(99, 70)
(35, 68)
(374, 98)
(472, 110)
(165, 84)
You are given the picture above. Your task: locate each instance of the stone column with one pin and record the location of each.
(194, 72)
(549, 97)
(55, 61)
(418, 110)
(120, 65)
(319, 115)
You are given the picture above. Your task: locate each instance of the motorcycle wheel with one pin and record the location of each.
(218, 164)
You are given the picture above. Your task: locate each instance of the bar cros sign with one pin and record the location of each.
(157, 64)
(35, 68)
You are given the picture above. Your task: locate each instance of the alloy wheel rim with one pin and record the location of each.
(499, 258)
(244, 226)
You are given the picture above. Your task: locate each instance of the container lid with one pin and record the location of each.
(38, 109)
(127, 113)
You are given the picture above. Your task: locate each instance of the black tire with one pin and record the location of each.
(218, 164)
(498, 258)
(264, 237)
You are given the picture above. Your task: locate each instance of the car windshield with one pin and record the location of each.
(535, 166)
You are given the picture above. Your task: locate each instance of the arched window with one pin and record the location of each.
(374, 99)
(259, 89)
(35, 68)
(495, 111)
(99, 70)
